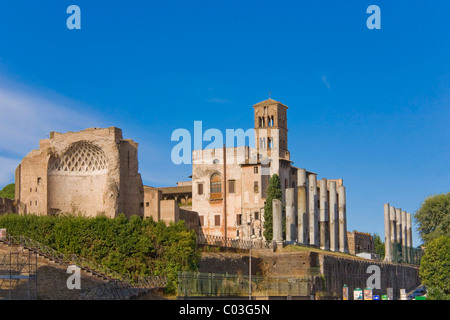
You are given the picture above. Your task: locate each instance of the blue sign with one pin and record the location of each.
(376, 297)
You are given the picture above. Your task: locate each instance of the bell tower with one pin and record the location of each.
(271, 129)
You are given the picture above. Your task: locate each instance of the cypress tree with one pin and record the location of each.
(273, 192)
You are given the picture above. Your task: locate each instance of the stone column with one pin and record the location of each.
(343, 244)
(277, 222)
(387, 234)
(408, 237)
(398, 219)
(409, 230)
(291, 232)
(334, 218)
(313, 211)
(323, 224)
(302, 207)
(393, 225)
(404, 239)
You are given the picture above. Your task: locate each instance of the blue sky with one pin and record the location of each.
(369, 106)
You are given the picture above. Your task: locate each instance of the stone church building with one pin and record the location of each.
(95, 171)
(229, 187)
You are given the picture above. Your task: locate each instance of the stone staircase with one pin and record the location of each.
(112, 285)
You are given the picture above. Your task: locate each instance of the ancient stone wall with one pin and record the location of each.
(353, 273)
(94, 171)
(7, 206)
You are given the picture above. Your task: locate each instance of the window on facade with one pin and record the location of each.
(239, 219)
(231, 184)
(201, 220)
(256, 214)
(255, 169)
(216, 186)
(217, 220)
(39, 181)
(200, 188)
(255, 187)
(147, 204)
(270, 142)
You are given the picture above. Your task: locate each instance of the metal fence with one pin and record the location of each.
(195, 284)
(18, 275)
(119, 290)
(408, 255)
(232, 243)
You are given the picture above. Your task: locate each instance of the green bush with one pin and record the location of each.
(435, 268)
(8, 191)
(134, 246)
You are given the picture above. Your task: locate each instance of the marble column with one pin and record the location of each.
(408, 237)
(291, 232)
(343, 244)
(302, 207)
(409, 230)
(277, 221)
(313, 211)
(323, 219)
(393, 225)
(404, 239)
(334, 218)
(387, 234)
(398, 219)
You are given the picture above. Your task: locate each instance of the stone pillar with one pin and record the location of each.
(398, 219)
(313, 211)
(387, 234)
(408, 236)
(404, 240)
(323, 220)
(393, 225)
(334, 218)
(291, 232)
(302, 207)
(409, 230)
(277, 222)
(343, 244)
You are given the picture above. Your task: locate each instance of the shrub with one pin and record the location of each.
(134, 246)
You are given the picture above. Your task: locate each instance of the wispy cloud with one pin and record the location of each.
(217, 100)
(28, 115)
(325, 81)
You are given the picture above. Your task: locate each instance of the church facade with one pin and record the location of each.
(229, 188)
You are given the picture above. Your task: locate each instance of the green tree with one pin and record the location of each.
(8, 191)
(379, 245)
(273, 192)
(433, 217)
(435, 268)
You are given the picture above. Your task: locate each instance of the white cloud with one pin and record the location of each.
(324, 80)
(28, 115)
(217, 100)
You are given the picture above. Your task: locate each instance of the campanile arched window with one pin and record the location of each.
(216, 186)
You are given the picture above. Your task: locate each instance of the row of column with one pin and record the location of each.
(397, 229)
(317, 218)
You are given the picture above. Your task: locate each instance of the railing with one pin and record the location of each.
(117, 281)
(232, 243)
(192, 284)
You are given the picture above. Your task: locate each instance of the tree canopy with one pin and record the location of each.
(435, 268)
(273, 192)
(433, 217)
(8, 191)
